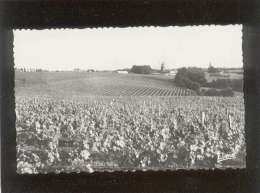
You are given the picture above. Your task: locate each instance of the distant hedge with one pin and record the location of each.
(235, 84)
(145, 69)
(214, 92)
(194, 78)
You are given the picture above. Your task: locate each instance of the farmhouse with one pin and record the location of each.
(122, 72)
(172, 73)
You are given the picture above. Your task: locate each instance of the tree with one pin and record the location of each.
(192, 78)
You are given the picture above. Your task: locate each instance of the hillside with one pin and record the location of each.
(97, 83)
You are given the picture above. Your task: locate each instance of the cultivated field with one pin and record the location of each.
(66, 121)
(95, 84)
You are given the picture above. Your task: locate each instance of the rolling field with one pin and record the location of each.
(95, 84)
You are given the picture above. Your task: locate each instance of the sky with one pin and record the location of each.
(117, 48)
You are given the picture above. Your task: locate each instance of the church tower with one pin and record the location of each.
(162, 67)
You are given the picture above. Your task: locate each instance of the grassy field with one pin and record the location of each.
(95, 83)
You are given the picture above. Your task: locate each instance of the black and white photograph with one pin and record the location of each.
(129, 99)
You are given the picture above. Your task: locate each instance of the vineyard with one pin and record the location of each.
(96, 84)
(139, 91)
(114, 133)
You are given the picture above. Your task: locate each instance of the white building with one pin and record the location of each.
(122, 72)
(173, 72)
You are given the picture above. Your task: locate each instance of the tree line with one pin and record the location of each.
(30, 70)
(194, 78)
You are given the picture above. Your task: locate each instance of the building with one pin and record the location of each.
(122, 72)
(162, 67)
(172, 73)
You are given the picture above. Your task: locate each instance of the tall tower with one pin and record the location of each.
(162, 67)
